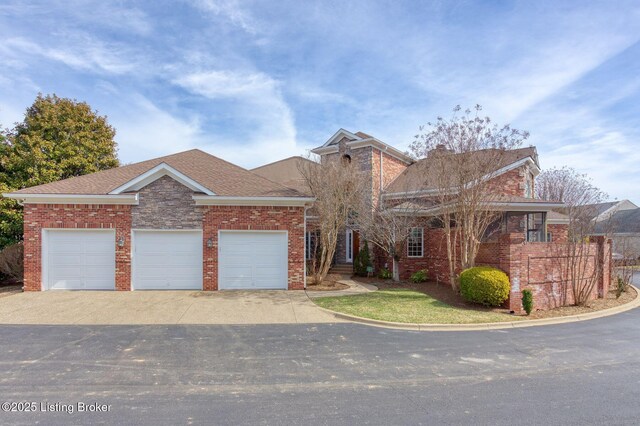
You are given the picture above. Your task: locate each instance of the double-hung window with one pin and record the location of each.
(415, 244)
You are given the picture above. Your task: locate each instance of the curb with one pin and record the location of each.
(489, 325)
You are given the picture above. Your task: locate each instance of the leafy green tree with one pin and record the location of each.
(58, 139)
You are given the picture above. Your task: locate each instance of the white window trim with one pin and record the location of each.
(162, 169)
(421, 242)
(348, 247)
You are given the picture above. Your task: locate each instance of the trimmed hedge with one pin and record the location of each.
(484, 284)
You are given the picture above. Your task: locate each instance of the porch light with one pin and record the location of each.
(210, 242)
(121, 242)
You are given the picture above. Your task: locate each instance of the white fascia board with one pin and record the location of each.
(205, 200)
(362, 143)
(335, 136)
(495, 206)
(512, 166)
(162, 169)
(131, 199)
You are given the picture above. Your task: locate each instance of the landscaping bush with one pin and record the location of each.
(362, 261)
(621, 286)
(385, 274)
(527, 301)
(420, 276)
(484, 284)
(11, 261)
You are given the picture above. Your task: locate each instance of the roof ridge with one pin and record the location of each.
(280, 161)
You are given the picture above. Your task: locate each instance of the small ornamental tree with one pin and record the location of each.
(337, 187)
(463, 152)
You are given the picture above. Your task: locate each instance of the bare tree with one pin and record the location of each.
(463, 154)
(580, 264)
(387, 227)
(337, 188)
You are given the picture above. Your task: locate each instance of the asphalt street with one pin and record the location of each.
(581, 373)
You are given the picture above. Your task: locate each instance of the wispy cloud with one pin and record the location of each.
(231, 10)
(256, 81)
(87, 55)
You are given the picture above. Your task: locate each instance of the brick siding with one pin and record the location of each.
(119, 218)
(259, 219)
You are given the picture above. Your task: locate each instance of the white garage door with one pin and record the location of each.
(167, 260)
(252, 260)
(79, 260)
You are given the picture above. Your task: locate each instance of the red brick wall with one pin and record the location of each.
(559, 233)
(391, 169)
(541, 268)
(41, 216)
(511, 182)
(290, 219)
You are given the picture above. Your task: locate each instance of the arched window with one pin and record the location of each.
(346, 159)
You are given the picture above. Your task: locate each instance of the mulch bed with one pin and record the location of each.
(330, 283)
(444, 293)
(607, 302)
(7, 288)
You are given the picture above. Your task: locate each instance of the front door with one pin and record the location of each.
(352, 245)
(356, 244)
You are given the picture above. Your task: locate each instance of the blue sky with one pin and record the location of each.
(256, 81)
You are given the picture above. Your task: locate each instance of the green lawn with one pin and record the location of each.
(408, 306)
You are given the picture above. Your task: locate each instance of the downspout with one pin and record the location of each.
(304, 256)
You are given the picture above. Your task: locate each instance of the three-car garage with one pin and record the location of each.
(84, 259)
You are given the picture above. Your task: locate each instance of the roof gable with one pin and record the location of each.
(339, 135)
(162, 169)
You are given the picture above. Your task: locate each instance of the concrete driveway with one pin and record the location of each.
(161, 307)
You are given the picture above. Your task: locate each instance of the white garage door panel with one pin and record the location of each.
(253, 260)
(80, 260)
(167, 260)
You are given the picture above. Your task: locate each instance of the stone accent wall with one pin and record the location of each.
(63, 216)
(290, 219)
(166, 204)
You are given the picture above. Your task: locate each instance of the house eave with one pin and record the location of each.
(216, 200)
(124, 199)
(361, 143)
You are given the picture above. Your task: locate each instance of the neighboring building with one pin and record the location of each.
(184, 221)
(620, 220)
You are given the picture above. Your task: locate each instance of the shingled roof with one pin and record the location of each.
(287, 172)
(217, 175)
(421, 176)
